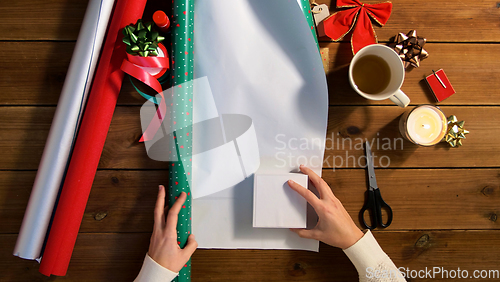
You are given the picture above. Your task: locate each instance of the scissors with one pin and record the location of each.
(374, 203)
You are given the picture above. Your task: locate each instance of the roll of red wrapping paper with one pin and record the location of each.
(89, 142)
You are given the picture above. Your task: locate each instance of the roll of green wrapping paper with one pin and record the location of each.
(182, 118)
(306, 9)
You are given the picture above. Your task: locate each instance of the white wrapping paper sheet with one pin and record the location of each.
(225, 151)
(63, 130)
(261, 61)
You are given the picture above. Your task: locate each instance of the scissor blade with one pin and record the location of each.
(369, 164)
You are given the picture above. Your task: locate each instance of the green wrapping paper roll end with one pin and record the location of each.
(182, 72)
(306, 9)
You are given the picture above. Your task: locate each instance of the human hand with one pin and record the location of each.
(163, 247)
(335, 226)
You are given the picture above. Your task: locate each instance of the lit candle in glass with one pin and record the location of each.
(424, 125)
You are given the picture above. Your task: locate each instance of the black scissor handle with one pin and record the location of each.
(381, 204)
(369, 206)
(374, 205)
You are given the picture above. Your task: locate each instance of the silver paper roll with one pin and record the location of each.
(63, 130)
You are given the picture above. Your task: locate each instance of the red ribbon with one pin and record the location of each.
(133, 66)
(151, 62)
(358, 18)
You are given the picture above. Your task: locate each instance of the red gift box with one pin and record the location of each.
(440, 85)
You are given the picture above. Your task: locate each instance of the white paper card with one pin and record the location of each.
(275, 204)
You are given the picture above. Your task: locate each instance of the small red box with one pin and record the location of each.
(441, 89)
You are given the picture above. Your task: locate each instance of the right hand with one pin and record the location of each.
(335, 226)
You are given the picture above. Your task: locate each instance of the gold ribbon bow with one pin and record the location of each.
(456, 132)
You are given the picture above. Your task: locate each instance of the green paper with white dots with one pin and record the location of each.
(182, 71)
(306, 9)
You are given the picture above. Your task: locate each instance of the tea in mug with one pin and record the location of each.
(371, 74)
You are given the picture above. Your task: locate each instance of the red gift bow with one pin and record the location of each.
(133, 67)
(339, 24)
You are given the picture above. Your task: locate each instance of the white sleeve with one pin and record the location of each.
(151, 271)
(371, 262)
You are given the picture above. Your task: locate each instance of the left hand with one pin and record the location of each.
(163, 247)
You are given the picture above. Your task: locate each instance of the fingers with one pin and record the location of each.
(316, 180)
(307, 194)
(191, 245)
(174, 212)
(159, 208)
(304, 233)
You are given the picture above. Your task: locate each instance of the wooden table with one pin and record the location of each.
(446, 201)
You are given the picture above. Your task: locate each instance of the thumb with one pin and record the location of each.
(191, 245)
(303, 233)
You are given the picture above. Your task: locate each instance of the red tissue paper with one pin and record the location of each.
(89, 142)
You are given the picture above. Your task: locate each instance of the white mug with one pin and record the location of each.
(393, 89)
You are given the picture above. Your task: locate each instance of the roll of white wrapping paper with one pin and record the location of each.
(63, 130)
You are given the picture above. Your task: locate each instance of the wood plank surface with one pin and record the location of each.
(445, 201)
(443, 21)
(36, 75)
(23, 132)
(123, 200)
(103, 257)
(60, 20)
(41, 19)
